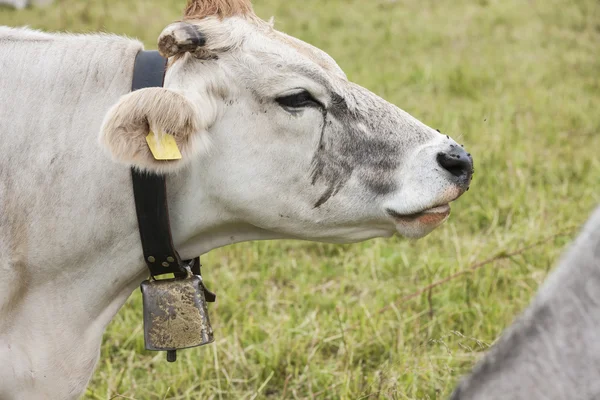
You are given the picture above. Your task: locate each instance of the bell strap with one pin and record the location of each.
(150, 189)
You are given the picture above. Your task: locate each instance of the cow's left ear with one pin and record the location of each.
(165, 113)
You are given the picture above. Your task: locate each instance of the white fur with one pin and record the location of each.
(69, 245)
(159, 111)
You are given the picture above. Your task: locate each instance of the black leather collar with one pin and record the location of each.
(150, 190)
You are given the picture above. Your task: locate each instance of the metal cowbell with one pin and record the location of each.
(175, 314)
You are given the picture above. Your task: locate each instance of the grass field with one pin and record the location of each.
(518, 82)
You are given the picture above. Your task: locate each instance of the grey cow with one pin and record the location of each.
(552, 351)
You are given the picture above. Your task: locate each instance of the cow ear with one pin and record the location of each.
(160, 113)
(180, 37)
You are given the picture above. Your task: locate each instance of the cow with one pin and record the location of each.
(275, 143)
(551, 351)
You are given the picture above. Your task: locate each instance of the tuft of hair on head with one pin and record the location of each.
(197, 9)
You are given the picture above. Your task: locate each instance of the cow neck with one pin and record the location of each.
(150, 190)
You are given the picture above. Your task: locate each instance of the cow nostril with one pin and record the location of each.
(457, 164)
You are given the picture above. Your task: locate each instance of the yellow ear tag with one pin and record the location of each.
(163, 146)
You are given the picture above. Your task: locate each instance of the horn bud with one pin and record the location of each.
(180, 37)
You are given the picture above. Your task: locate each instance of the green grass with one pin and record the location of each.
(517, 82)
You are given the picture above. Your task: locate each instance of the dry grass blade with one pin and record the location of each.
(480, 264)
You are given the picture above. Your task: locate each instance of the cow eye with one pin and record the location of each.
(298, 100)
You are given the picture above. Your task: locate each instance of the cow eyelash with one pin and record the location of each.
(298, 100)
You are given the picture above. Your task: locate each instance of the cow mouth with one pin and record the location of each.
(429, 216)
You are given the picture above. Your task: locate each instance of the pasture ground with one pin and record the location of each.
(518, 82)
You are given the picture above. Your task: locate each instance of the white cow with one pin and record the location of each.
(552, 351)
(276, 143)
(21, 4)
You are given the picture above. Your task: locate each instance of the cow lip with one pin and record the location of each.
(440, 210)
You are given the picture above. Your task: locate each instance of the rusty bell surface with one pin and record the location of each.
(175, 314)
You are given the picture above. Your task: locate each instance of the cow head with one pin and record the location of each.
(279, 137)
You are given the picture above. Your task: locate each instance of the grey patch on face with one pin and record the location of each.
(327, 166)
(366, 144)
